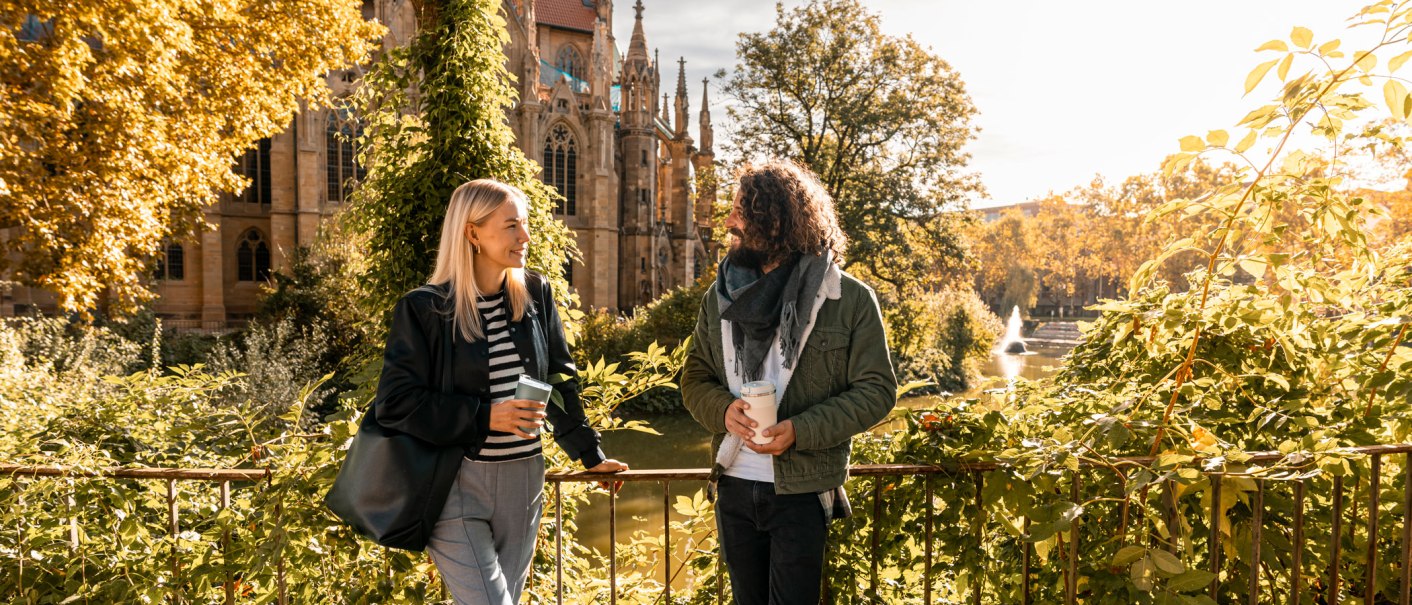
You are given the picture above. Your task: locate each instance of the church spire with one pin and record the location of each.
(682, 116)
(637, 48)
(707, 135)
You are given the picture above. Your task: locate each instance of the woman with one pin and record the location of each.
(503, 323)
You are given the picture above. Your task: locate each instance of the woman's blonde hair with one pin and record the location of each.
(472, 204)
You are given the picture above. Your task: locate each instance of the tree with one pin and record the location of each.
(880, 119)
(120, 122)
(435, 115)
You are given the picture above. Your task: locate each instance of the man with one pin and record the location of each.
(782, 311)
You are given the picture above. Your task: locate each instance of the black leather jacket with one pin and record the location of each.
(410, 399)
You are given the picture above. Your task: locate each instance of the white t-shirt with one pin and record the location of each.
(748, 464)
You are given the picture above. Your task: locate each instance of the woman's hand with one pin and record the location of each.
(516, 416)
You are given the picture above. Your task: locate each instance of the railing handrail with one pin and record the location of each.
(649, 475)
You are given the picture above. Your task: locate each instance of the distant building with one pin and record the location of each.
(610, 142)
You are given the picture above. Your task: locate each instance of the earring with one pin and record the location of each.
(475, 247)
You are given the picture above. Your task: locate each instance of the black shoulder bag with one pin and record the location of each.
(387, 488)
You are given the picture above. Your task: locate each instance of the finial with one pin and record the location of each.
(638, 8)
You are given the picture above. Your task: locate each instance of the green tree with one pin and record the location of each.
(880, 119)
(120, 121)
(435, 118)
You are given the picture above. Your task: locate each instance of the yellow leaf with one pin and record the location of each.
(1217, 138)
(1254, 266)
(1365, 80)
(1246, 143)
(1257, 74)
(1284, 66)
(1396, 62)
(1395, 94)
(1301, 37)
(1367, 62)
(1192, 143)
(1273, 45)
(1329, 46)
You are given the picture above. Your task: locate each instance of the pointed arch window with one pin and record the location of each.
(255, 165)
(341, 155)
(171, 263)
(570, 62)
(252, 257)
(561, 157)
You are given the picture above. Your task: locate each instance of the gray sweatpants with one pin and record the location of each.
(483, 544)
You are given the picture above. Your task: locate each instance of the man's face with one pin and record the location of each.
(740, 254)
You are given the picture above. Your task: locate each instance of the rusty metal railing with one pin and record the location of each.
(878, 473)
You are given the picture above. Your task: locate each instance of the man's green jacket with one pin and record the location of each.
(842, 384)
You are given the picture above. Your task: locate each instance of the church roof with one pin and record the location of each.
(567, 14)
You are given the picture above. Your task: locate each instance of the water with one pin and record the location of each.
(685, 444)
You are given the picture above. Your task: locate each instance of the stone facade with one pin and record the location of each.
(590, 115)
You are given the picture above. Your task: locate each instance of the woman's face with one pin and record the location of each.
(503, 238)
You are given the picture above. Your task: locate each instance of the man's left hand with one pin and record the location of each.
(783, 434)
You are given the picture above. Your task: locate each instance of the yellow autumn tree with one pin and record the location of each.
(120, 121)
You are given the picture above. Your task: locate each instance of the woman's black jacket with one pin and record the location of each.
(410, 399)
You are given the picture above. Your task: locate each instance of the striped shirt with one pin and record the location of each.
(505, 370)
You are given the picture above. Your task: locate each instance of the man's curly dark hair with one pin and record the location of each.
(787, 211)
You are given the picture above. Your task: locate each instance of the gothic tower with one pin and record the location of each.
(638, 152)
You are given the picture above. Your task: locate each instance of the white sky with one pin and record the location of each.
(1066, 90)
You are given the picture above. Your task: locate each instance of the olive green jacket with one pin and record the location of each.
(842, 384)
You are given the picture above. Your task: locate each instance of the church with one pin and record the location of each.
(596, 119)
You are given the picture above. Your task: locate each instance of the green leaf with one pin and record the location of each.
(1127, 555)
(1301, 37)
(1192, 143)
(1190, 580)
(1258, 74)
(1166, 563)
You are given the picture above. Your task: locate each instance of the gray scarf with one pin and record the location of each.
(761, 306)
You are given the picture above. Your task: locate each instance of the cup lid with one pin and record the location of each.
(759, 387)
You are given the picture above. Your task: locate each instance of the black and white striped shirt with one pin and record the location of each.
(505, 370)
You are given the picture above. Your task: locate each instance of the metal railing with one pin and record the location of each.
(877, 473)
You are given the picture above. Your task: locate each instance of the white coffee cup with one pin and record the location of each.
(763, 408)
(533, 390)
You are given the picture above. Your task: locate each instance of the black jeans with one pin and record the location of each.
(773, 545)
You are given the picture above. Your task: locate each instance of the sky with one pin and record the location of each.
(1065, 90)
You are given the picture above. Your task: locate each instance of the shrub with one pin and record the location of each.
(941, 337)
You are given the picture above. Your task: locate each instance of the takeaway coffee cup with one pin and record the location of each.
(763, 409)
(533, 390)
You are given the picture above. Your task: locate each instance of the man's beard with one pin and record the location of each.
(743, 256)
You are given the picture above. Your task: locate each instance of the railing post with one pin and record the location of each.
(612, 544)
(1257, 522)
(667, 542)
(1025, 567)
(1370, 580)
(979, 526)
(225, 545)
(559, 542)
(173, 527)
(1406, 597)
(1297, 566)
(1336, 532)
(70, 504)
(873, 538)
(1213, 542)
(1071, 580)
(927, 570)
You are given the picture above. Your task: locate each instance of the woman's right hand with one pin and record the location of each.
(516, 415)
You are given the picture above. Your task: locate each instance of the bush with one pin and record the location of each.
(668, 321)
(942, 337)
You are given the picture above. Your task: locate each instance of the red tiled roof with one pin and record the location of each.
(568, 14)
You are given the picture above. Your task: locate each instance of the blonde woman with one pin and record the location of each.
(503, 324)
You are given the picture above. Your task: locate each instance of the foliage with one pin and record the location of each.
(941, 338)
(434, 114)
(879, 118)
(192, 417)
(121, 121)
(669, 320)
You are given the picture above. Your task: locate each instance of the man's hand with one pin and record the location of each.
(737, 423)
(516, 416)
(783, 434)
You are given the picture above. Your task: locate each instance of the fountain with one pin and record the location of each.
(1012, 344)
